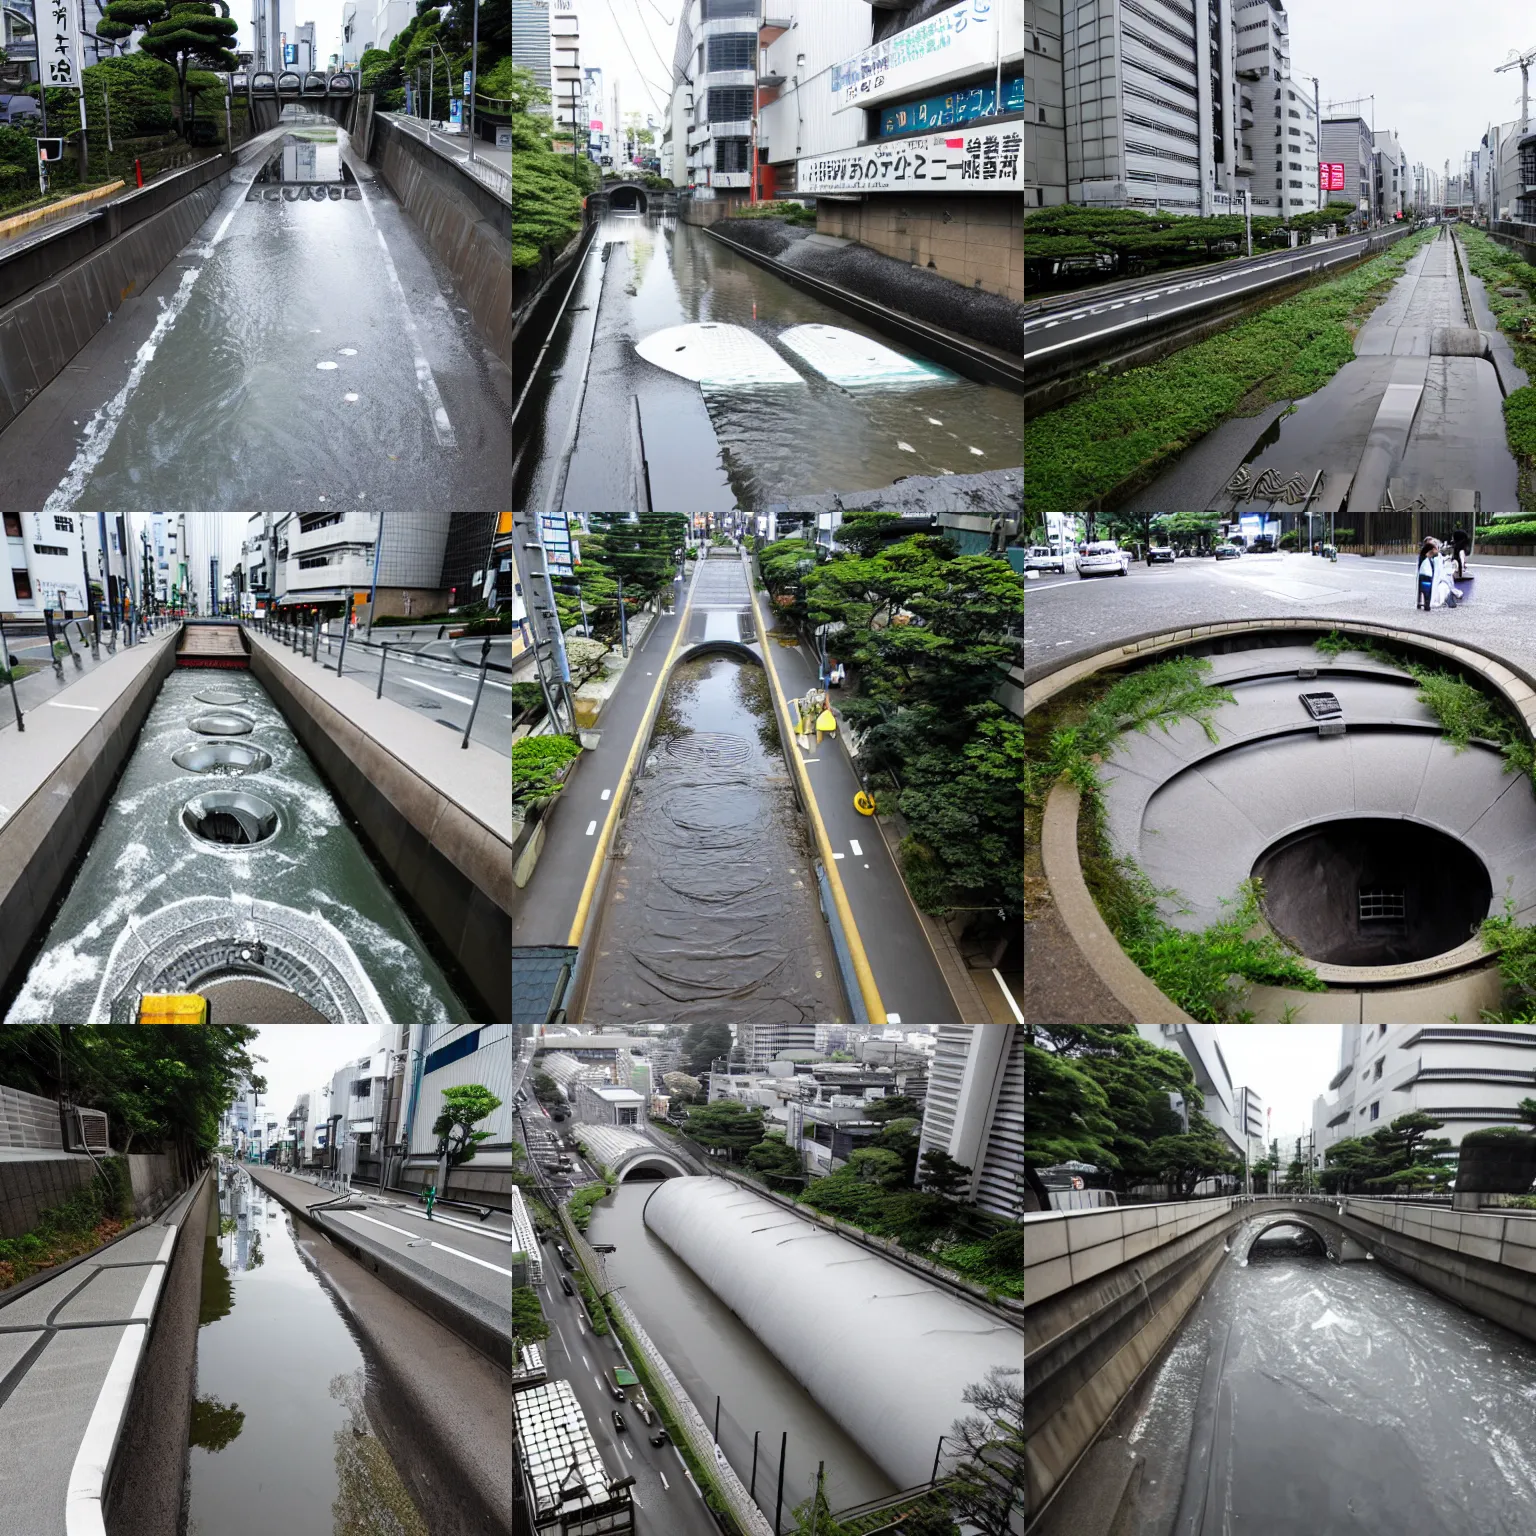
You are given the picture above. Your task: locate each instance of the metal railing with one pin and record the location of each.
(331, 645)
(492, 177)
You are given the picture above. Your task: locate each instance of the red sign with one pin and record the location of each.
(1330, 176)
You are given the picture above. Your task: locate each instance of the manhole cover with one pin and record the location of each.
(223, 722)
(231, 818)
(222, 757)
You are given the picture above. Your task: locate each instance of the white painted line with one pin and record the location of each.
(1285, 597)
(416, 682)
(591, 827)
(88, 1476)
(1003, 988)
(483, 1263)
(839, 855)
(586, 1362)
(92, 708)
(853, 843)
(442, 428)
(663, 1476)
(627, 1450)
(600, 1385)
(563, 1345)
(605, 794)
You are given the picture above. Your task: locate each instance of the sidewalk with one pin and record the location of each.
(71, 1351)
(48, 681)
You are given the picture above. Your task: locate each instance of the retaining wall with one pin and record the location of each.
(464, 222)
(45, 1179)
(57, 292)
(456, 873)
(41, 841)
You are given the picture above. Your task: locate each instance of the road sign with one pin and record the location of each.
(50, 150)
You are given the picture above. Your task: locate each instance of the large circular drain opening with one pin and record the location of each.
(1373, 891)
(222, 757)
(221, 696)
(230, 819)
(223, 722)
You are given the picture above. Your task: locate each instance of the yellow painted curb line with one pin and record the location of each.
(18, 222)
(866, 977)
(604, 837)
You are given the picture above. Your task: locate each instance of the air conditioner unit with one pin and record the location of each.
(87, 1130)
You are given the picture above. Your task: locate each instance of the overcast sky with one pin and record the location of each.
(1287, 1065)
(1429, 63)
(302, 1056)
(632, 41)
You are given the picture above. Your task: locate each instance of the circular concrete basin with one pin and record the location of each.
(230, 818)
(1373, 890)
(221, 696)
(222, 757)
(223, 722)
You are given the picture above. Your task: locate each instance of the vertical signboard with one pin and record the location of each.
(1330, 176)
(62, 44)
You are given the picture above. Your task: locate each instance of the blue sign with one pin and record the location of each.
(290, 53)
(456, 112)
(951, 110)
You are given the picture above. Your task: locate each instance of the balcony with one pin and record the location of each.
(354, 528)
(346, 568)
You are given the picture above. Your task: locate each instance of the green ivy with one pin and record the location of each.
(536, 760)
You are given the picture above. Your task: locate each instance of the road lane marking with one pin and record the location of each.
(591, 827)
(563, 1345)
(853, 843)
(443, 1246)
(605, 794)
(627, 1451)
(416, 682)
(586, 1362)
(839, 855)
(663, 1476)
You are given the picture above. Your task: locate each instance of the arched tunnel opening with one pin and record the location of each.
(628, 200)
(1373, 891)
(1288, 1241)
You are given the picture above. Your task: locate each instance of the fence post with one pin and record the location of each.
(5, 662)
(485, 661)
(383, 658)
(341, 660)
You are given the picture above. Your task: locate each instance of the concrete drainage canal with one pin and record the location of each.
(223, 866)
(1364, 800)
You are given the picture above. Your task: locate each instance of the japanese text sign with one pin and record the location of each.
(58, 24)
(963, 37)
(974, 161)
(1330, 176)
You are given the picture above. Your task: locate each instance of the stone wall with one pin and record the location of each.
(29, 1188)
(974, 241)
(154, 1179)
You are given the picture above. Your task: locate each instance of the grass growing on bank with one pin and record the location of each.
(90, 1217)
(1206, 973)
(1132, 423)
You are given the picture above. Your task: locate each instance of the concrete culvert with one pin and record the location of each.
(230, 818)
(1458, 341)
(1373, 891)
(223, 722)
(222, 757)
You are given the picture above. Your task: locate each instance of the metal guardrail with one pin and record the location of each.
(491, 177)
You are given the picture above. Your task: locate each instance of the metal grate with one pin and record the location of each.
(1383, 907)
(1322, 706)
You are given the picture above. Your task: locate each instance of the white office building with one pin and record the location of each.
(974, 1110)
(1199, 1046)
(1280, 130)
(44, 568)
(1467, 1077)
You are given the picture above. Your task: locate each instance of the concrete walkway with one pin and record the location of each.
(54, 728)
(70, 1350)
(473, 778)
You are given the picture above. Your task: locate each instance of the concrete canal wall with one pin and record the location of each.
(464, 222)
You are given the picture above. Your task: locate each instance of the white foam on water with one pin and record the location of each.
(56, 970)
(845, 357)
(716, 355)
(133, 860)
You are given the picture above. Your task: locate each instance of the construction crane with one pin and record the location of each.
(1522, 62)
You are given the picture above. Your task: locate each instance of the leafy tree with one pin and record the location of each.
(778, 1163)
(898, 1106)
(547, 189)
(545, 1089)
(1183, 1161)
(726, 1123)
(214, 1424)
(536, 765)
(528, 1323)
(901, 1137)
(180, 32)
(683, 1088)
(942, 1173)
(703, 1045)
(876, 1165)
(986, 1487)
(462, 1107)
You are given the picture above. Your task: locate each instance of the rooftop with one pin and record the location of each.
(565, 1470)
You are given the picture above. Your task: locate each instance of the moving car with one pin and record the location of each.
(1160, 554)
(1103, 558)
(1042, 557)
(643, 1408)
(566, 1286)
(565, 1256)
(659, 1438)
(618, 1393)
(618, 1420)
(1228, 551)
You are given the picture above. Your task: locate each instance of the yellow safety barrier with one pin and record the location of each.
(863, 804)
(173, 1008)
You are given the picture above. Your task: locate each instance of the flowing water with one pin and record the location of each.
(281, 1437)
(713, 911)
(770, 442)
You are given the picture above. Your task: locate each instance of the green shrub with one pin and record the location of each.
(536, 762)
(1521, 531)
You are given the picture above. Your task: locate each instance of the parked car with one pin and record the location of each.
(1228, 551)
(618, 1420)
(19, 109)
(1042, 557)
(1103, 558)
(659, 1438)
(1263, 545)
(1160, 554)
(566, 1286)
(617, 1392)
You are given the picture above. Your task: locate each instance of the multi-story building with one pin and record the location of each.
(604, 1104)
(594, 114)
(1348, 141)
(974, 1110)
(566, 83)
(758, 1044)
(390, 18)
(1199, 1046)
(1252, 1125)
(1390, 171)
(714, 88)
(451, 1055)
(328, 556)
(1468, 1078)
(1280, 126)
(44, 569)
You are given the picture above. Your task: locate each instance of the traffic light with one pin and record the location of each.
(50, 150)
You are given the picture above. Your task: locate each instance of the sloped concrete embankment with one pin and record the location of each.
(42, 839)
(468, 226)
(57, 292)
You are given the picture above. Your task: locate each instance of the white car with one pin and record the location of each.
(1105, 558)
(1042, 558)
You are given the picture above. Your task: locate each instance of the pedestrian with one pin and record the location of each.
(431, 1199)
(1429, 559)
(1461, 547)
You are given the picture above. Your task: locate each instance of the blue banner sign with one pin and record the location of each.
(951, 110)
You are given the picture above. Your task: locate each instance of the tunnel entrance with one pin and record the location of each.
(1373, 891)
(628, 200)
(1282, 1243)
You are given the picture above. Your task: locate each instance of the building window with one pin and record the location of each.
(13, 525)
(309, 562)
(731, 154)
(1381, 1061)
(733, 51)
(23, 584)
(729, 104)
(1376, 1110)
(717, 10)
(50, 549)
(64, 524)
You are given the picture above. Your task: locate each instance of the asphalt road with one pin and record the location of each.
(1068, 617)
(669, 1503)
(1048, 335)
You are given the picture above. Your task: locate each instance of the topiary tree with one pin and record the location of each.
(179, 32)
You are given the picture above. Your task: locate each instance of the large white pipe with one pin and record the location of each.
(883, 1351)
